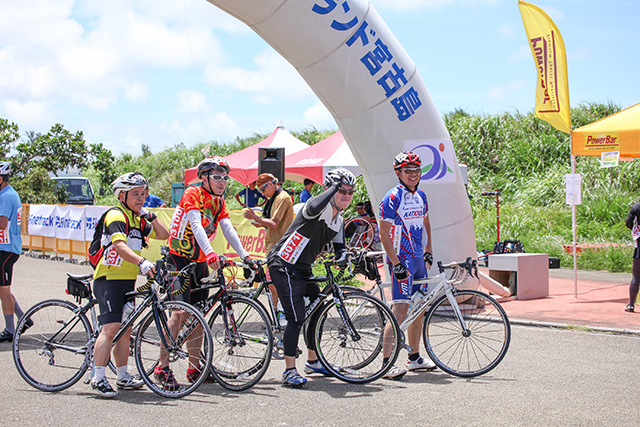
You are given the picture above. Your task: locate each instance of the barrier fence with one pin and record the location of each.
(64, 232)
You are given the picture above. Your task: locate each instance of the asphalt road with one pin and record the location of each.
(548, 377)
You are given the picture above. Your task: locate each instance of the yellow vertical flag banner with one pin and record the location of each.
(549, 54)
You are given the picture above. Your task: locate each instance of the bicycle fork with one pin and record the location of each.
(456, 309)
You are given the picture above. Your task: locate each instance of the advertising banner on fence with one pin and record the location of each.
(252, 238)
(69, 222)
(91, 216)
(41, 220)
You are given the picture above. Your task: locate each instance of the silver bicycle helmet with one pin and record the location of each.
(128, 181)
(213, 163)
(5, 168)
(343, 175)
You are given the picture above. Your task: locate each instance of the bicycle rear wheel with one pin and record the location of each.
(50, 355)
(242, 344)
(189, 345)
(472, 351)
(356, 359)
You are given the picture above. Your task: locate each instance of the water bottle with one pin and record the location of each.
(415, 298)
(128, 308)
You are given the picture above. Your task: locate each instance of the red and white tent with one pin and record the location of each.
(244, 163)
(315, 161)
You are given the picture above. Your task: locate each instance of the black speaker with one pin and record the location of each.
(271, 160)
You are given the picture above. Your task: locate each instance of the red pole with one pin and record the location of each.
(498, 214)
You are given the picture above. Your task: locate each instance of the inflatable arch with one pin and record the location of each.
(361, 73)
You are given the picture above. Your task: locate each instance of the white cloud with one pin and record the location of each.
(415, 5)
(29, 115)
(191, 102)
(319, 117)
(272, 80)
(136, 91)
(501, 94)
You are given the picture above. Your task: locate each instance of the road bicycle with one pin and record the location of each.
(466, 332)
(241, 332)
(57, 349)
(347, 327)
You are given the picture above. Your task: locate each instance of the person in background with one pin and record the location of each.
(362, 213)
(123, 238)
(251, 197)
(404, 217)
(10, 250)
(305, 194)
(633, 221)
(276, 218)
(153, 201)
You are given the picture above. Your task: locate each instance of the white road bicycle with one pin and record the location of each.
(466, 332)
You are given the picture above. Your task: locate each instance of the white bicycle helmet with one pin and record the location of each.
(5, 168)
(128, 181)
(213, 163)
(344, 175)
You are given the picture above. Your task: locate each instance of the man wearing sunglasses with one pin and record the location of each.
(276, 217)
(404, 217)
(200, 211)
(319, 222)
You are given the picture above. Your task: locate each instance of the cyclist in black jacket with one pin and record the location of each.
(319, 222)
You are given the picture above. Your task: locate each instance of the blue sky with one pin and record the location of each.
(133, 72)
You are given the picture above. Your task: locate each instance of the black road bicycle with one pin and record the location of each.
(57, 349)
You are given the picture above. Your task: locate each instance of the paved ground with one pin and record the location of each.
(550, 376)
(598, 303)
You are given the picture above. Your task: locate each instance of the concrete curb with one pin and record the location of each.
(536, 323)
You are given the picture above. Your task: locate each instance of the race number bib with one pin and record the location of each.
(293, 247)
(111, 257)
(4, 235)
(178, 223)
(395, 234)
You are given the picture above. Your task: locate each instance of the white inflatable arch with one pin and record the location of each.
(361, 73)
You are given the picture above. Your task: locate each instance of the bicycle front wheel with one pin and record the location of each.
(475, 349)
(49, 348)
(186, 334)
(350, 347)
(243, 342)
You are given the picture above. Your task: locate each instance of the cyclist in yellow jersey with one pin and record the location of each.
(125, 229)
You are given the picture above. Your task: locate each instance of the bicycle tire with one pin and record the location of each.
(475, 351)
(148, 343)
(356, 361)
(51, 354)
(242, 351)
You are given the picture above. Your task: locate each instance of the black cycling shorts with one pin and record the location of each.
(111, 298)
(202, 271)
(7, 260)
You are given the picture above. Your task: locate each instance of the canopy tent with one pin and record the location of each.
(314, 162)
(617, 132)
(244, 163)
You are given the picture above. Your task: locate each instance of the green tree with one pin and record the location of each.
(37, 156)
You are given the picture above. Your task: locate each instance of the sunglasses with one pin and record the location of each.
(346, 192)
(219, 177)
(264, 187)
(410, 170)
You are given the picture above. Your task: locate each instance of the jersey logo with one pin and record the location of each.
(293, 247)
(178, 223)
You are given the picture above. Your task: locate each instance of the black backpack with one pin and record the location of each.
(95, 251)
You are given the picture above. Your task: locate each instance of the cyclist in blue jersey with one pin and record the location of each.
(404, 218)
(10, 250)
